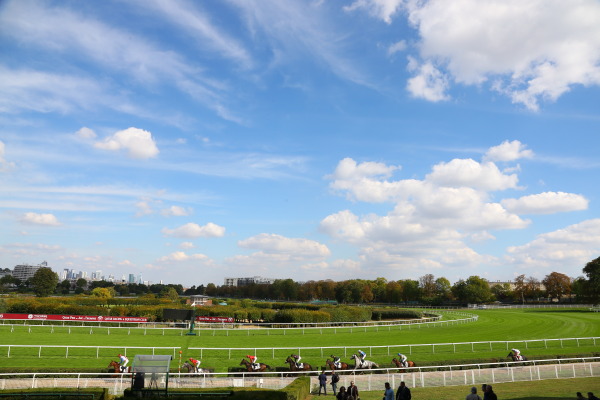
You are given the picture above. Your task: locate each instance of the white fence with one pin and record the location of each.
(122, 349)
(391, 350)
(431, 376)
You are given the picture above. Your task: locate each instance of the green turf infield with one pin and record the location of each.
(493, 325)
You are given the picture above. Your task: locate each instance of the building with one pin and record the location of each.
(258, 280)
(198, 300)
(26, 271)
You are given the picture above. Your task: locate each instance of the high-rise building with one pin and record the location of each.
(247, 281)
(131, 278)
(26, 271)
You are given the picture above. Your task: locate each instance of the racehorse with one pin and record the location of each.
(398, 364)
(117, 367)
(293, 367)
(331, 365)
(250, 368)
(516, 358)
(191, 369)
(363, 364)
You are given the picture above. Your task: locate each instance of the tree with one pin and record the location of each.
(169, 292)
(533, 288)
(520, 288)
(103, 293)
(427, 285)
(443, 289)
(557, 285)
(592, 286)
(44, 282)
(501, 290)
(473, 290)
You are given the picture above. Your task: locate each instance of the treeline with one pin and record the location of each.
(427, 290)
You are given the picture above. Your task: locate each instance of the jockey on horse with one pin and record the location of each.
(123, 362)
(361, 356)
(297, 358)
(195, 364)
(253, 359)
(403, 360)
(336, 362)
(516, 354)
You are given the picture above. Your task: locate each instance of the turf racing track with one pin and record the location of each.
(222, 349)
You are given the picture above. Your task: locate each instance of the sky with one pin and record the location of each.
(189, 141)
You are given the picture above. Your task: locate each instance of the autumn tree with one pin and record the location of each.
(520, 288)
(557, 285)
(427, 285)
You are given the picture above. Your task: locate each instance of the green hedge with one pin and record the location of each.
(379, 314)
(53, 394)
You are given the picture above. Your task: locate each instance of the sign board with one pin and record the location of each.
(81, 318)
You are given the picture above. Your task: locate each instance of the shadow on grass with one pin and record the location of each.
(555, 310)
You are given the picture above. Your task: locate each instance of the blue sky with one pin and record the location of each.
(189, 141)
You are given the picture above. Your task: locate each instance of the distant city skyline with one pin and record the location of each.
(193, 141)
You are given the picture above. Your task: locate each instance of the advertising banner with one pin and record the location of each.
(84, 318)
(214, 319)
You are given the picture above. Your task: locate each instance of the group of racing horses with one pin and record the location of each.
(359, 363)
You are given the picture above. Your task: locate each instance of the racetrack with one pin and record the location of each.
(499, 325)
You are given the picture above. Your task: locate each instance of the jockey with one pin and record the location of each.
(253, 361)
(297, 358)
(336, 362)
(517, 354)
(195, 363)
(362, 355)
(123, 361)
(403, 359)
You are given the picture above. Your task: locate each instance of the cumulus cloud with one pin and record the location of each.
(428, 82)
(176, 211)
(397, 47)
(460, 172)
(192, 231)
(527, 50)
(508, 151)
(4, 165)
(567, 249)
(40, 219)
(138, 143)
(187, 245)
(546, 203)
(276, 244)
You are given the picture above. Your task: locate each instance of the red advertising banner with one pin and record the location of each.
(214, 319)
(84, 318)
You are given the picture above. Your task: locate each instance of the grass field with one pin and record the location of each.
(493, 325)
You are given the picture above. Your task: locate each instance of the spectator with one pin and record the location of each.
(403, 392)
(580, 396)
(473, 395)
(592, 397)
(389, 392)
(489, 393)
(335, 378)
(341, 394)
(323, 383)
(352, 391)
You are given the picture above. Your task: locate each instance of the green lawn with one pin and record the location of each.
(493, 325)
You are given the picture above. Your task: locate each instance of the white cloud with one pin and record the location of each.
(466, 172)
(85, 133)
(187, 245)
(192, 231)
(508, 151)
(176, 211)
(397, 47)
(4, 165)
(383, 9)
(138, 143)
(567, 250)
(533, 50)
(276, 244)
(179, 256)
(546, 203)
(428, 83)
(40, 219)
